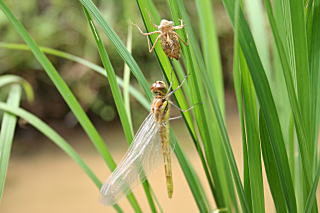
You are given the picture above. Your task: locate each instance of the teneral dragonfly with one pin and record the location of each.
(169, 38)
(150, 141)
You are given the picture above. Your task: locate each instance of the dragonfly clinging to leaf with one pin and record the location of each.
(144, 154)
(169, 38)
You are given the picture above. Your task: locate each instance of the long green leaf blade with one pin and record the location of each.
(8, 126)
(13, 79)
(210, 45)
(253, 141)
(296, 109)
(133, 91)
(116, 93)
(312, 195)
(120, 47)
(191, 177)
(64, 91)
(61, 86)
(271, 166)
(267, 104)
(205, 123)
(55, 138)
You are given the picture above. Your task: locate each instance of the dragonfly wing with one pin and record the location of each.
(143, 156)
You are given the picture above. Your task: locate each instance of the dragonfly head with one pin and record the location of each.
(159, 88)
(165, 25)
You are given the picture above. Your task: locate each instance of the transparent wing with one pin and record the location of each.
(143, 156)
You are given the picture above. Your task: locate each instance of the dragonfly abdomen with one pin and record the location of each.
(170, 45)
(164, 135)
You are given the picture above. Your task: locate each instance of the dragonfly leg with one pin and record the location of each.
(181, 110)
(163, 124)
(150, 33)
(179, 26)
(183, 41)
(155, 42)
(178, 87)
(170, 85)
(175, 118)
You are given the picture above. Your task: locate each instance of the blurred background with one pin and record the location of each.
(41, 178)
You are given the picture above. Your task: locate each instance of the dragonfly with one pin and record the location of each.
(144, 154)
(169, 38)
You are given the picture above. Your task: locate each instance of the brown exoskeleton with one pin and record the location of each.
(169, 38)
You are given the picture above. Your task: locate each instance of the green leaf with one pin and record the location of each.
(166, 66)
(8, 126)
(64, 90)
(210, 120)
(133, 91)
(253, 142)
(237, 78)
(191, 177)
(303, 138)
(270, 163)
(210, 45)
(61, 86)
(13, 79)
(126, 76)
(248, 109)
(311, 201)
(55, 138)
(267, 104)
(116, 93)
(164, 61)
(315, 78)
(115, 90)
(256, 19)
(299, 35)
(120, 47)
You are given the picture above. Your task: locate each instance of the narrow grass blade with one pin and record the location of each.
(64, 91)
(126, 76)
(133, 91)
(301, 57)
(120, 47)
(253, 142)
(249, 118)
(237, 79)
(238, 91)
(191, 177)
(55, 138)
(219, 133)
(296, 109)
(299, 35)
(170, 75)
(271, 166)
(168, 69)
(315, 76)
(164, 61)
(115, 90)
(210, 45)
(12, 79)
(61, 86)
(116, 93)
(311, 201)
(267, 104)
(8, 126)
(314, 56)
(256, 19)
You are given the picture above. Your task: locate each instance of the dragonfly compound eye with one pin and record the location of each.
(159, 88)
